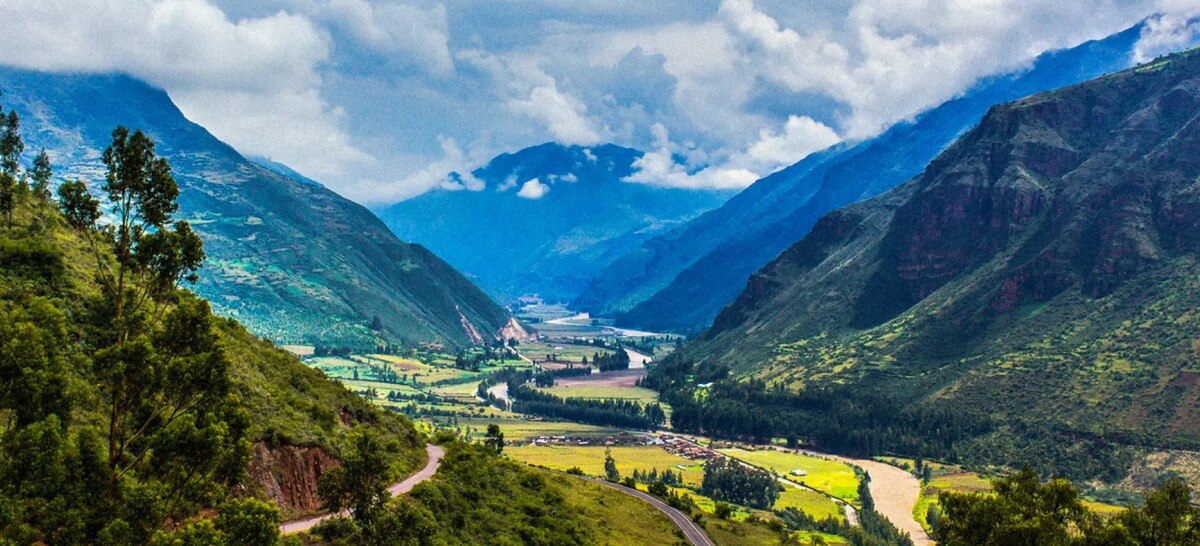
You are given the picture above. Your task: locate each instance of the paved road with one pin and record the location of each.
(435, 454)
(693, 532)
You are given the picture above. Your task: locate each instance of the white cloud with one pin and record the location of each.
(394, 31)
(800, 137)
(563, 116)
(533, 189)
(889, 60)
(1177, 27)
(255, 82)
(433, 175)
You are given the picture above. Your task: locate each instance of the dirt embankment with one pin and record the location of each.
(288, 475)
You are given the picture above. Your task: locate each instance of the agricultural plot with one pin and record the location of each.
(562, 352)
(516, 428)
(590, 459)
(602, 392)
(808, 501)
(831, 477)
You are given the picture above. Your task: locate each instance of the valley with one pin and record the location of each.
(394, 273)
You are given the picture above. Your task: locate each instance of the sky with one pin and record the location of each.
(381, 99)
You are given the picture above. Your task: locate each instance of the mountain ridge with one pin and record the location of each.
(543, 219)
(1040, 272)
(293, 261)
(706, 271)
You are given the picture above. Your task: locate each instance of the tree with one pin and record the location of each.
(724, 510)
(360, 484)
(11, 148)
(250, 522)
(495, 439)
(41, 174)
(1022, 511)
(610, 467)
(166, 383)
(153, 255)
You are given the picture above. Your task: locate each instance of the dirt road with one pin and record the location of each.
(895, 492)
(435, 454)
(638, 360)
(693, 532)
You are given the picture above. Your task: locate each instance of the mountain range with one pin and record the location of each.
(1041, 273)
(290, 259)
(681, 279)
(544, 220)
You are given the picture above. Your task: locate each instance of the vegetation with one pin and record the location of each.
(728, 480)
(873, 528)
(616, 413)
(1023, 510)
(641, 462)
(478, 498)
(126, 405)
(831, 477)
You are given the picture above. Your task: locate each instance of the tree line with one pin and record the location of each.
(613, 413)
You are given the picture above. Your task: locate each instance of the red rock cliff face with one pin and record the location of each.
(288, 475)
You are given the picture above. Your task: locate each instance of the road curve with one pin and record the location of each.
(693, 532)
(435, 454)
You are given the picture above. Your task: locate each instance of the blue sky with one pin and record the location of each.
(380, 99)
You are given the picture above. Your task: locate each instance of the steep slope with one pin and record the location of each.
(294, 262)
(545, 219)
(680, 280)
(1042, 272)
(295, 417)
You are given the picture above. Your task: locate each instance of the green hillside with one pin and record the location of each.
(1031, 297)
(291, 260)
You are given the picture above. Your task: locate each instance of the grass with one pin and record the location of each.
(590, 459)
(521, 429)
(810, 502)
(755, 533)
(622, 519)
(834, 478)
(599, 392)
(564, 352)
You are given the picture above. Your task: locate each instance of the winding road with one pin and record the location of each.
(693, 532)
(435, 454)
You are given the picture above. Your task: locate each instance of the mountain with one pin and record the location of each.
(1039, 277)
(293, 261)
(681, 279)
(544, 219)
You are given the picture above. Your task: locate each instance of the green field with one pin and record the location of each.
(564, 352)
(590, 459)
(810, 502)
(516, 428)
(832, 477)
(600, 392)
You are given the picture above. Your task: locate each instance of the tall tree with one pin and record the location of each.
(153, 253)
(165, 378)
(41, 174)
(11, 148)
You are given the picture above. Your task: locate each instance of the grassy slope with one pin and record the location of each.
(288, 402)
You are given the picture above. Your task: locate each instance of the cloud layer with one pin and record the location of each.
(382, 99)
